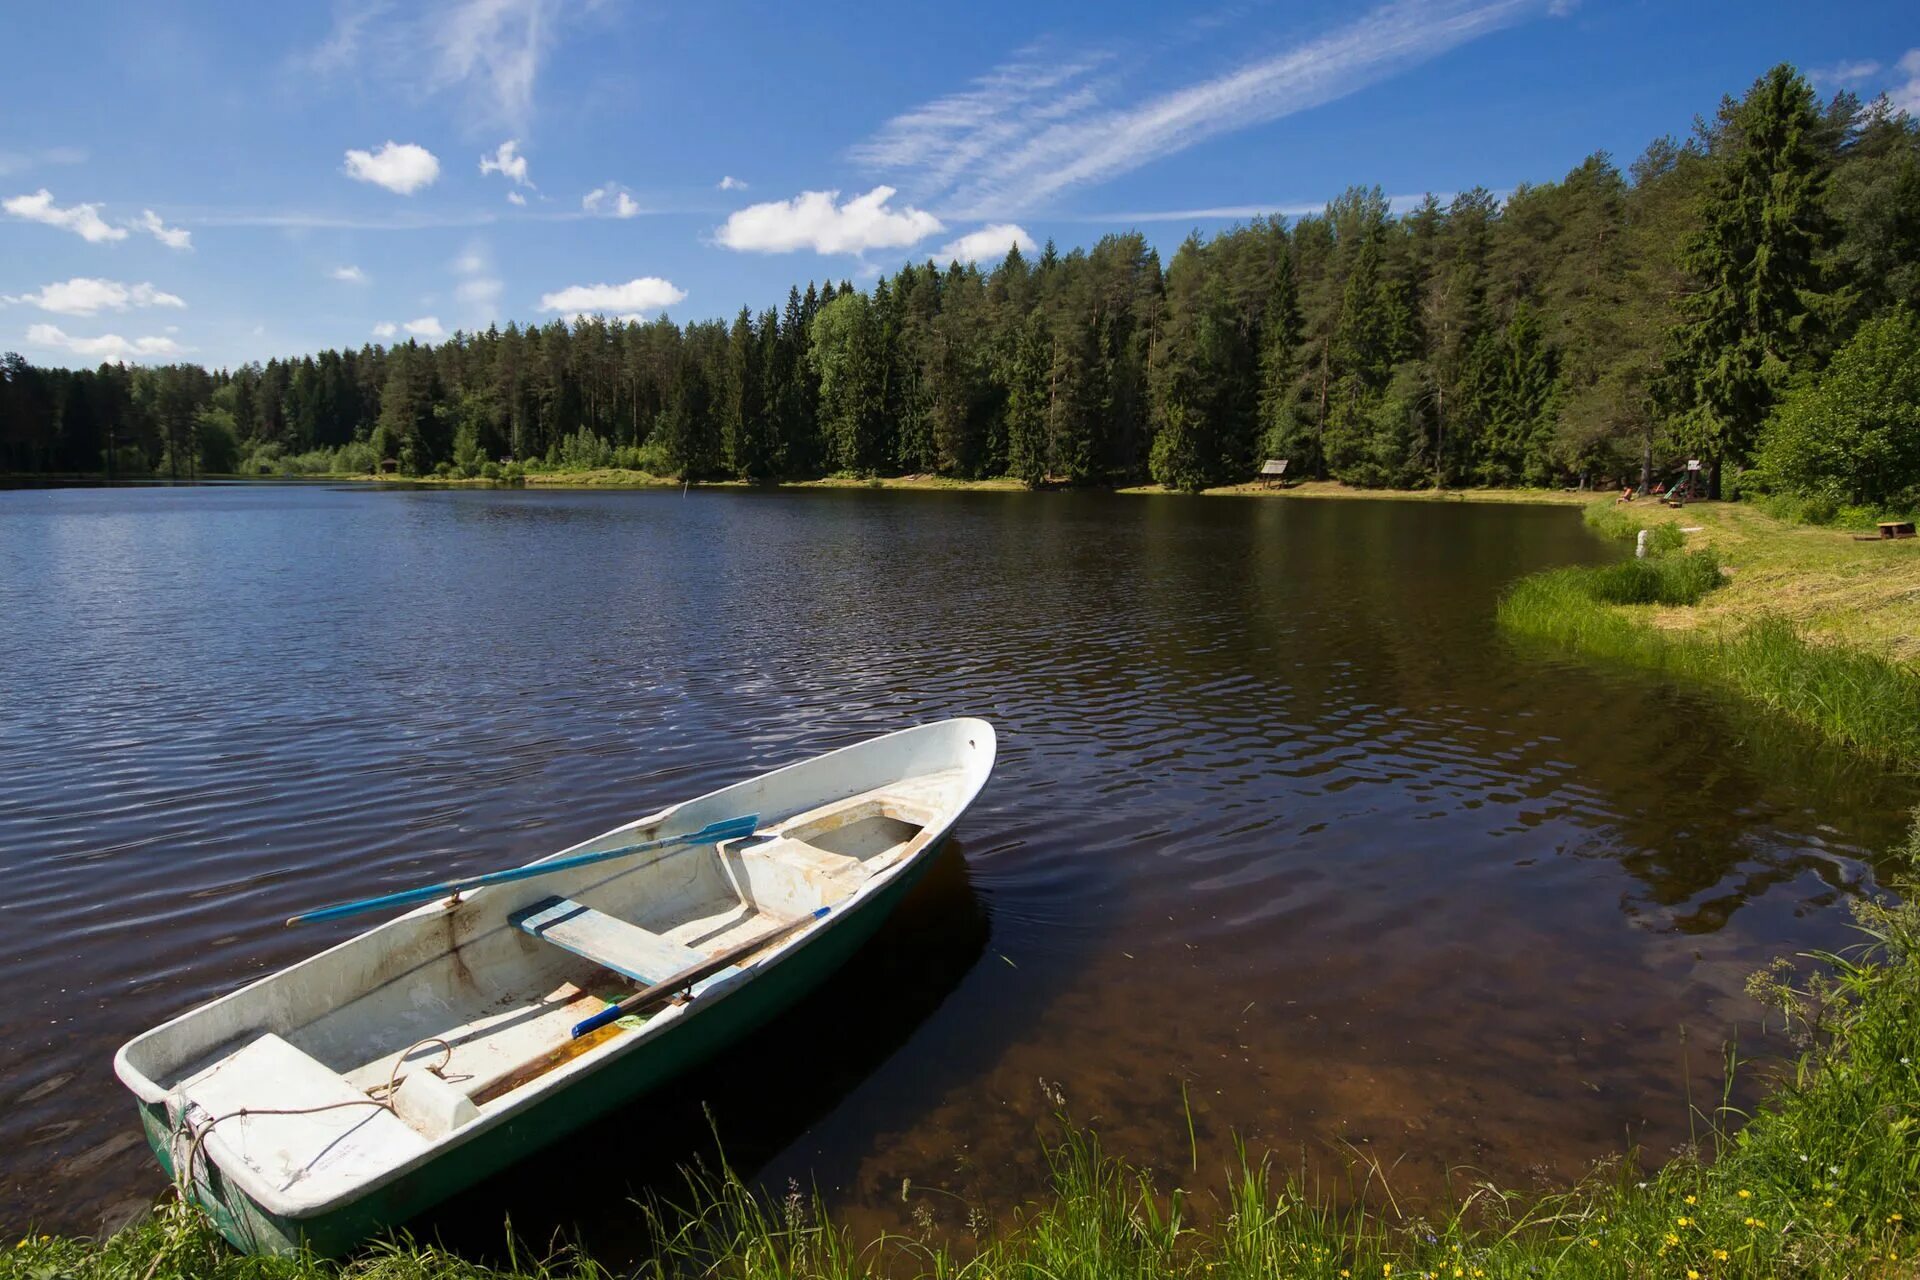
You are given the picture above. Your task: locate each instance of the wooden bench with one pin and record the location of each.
(640, 954)
(1896, 528)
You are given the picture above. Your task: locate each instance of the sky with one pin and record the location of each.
(225, 182)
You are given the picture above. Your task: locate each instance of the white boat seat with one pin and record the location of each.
(339, 1139)
(640, 954)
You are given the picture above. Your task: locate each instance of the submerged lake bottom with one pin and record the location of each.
(1286, 844)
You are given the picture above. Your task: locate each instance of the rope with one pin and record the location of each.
(183, 1175)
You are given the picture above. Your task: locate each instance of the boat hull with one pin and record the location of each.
(707, 1029)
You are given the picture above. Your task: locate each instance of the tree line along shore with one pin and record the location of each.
(1601, 328)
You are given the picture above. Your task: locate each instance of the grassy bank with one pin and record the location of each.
(1821, 1181)
(1819, 627)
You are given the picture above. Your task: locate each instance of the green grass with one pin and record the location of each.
(1819, 1181)
(1671, 580)
(1613, 613)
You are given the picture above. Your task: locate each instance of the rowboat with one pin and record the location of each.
(355, 1089)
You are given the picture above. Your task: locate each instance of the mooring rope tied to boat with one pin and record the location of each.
(183, 1175)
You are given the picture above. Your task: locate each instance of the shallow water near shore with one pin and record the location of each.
(1282, 826)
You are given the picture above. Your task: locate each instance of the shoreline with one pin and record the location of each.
(618, 478)
(1809, 623)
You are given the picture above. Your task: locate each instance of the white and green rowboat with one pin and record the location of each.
(357, 1088)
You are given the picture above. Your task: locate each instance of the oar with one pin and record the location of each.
(712, 833)
(665, 989)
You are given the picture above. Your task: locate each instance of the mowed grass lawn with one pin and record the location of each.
(1831, 587)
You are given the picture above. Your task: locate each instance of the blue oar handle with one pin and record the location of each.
(712, 833)
(667, 988)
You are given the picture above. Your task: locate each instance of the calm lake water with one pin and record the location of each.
(1280, 820)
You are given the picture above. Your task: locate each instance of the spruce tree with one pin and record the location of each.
(1757, 262)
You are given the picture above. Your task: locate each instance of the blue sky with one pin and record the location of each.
(229, 182)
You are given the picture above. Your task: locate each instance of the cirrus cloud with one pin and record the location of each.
(817, 220)
(645, 293)
(401, 167)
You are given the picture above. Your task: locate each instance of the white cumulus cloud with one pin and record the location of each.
(83, 220)
(647, 293)
(610, 201)
(731, 183)
(507, 161)
(385, 329)
(108, 346)
(86, 296)
(514, 197)
(172, 237)
(1906, 95)
(425, 327)
(988, 245)
(349, 274)
(401, 167)
(817, 220)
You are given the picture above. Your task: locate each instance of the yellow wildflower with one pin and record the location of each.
(1692, 1274)
(1672, 1238)
(1693, 1199)
(1894, 1217)
(1344, 1273)
(1744, 1194)
(1386, 1268)
(1685, 1222)
(1719, 1255)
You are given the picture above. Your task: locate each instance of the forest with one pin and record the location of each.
(1724, 297)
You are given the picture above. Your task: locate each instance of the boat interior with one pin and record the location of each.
(469, 1006)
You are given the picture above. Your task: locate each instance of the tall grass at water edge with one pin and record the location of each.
(1852, 697)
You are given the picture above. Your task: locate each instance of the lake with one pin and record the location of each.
(1284, 834)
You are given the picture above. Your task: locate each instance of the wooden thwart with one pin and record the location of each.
(627, 949)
